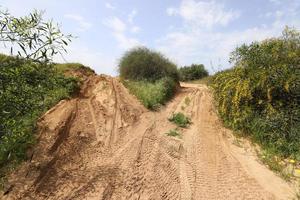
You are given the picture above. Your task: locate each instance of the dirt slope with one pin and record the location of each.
(106, 145)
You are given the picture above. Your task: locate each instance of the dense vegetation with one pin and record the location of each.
(27, 89)
(144, 64)
(193, 72)
(29, 84)
(149, 76)
(261, 95)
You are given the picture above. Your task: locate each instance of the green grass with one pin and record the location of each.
(152, 94)
(273, 162)
(174, 133)
(64, 67)
(180, 120)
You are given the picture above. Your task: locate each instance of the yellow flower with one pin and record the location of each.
(292, 161)
(297, 172)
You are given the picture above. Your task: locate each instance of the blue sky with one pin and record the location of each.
(186, 31)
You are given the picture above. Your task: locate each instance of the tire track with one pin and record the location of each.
(136, 159)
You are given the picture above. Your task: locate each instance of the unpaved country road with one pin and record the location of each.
(106, 145)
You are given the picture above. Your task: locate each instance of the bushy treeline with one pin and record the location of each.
(193, 72)
(144, 64)
(261, 94)
(149, 75)
(27, 89)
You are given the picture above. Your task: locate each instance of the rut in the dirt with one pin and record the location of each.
(106, 145)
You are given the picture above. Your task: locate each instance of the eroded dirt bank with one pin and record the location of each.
(106, 145)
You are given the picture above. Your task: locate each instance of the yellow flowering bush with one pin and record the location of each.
(260, 95)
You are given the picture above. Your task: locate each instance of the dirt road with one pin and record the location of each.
(106, 145)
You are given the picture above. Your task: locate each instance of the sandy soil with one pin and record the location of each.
(106, 145)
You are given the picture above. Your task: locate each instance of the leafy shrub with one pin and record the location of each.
(148, 75)
(144, 64)
(174, 133)
(180, 119)
(260, 95)
(152, 94)
(193, 72)
(27, 89)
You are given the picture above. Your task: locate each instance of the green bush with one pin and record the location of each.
(146, 65)
(193, 72)
(27, 89)
(148, 75)
(260, 95)
(152, 94)
(180, 120)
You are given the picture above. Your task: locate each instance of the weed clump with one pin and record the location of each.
(152, 94)
(174, 133)
(180, 120)
(187, 101)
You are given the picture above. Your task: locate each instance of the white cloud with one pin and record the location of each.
(125, 42)
(204, 14)
(115, 24)
(279, 13)
(81, 53)
(275, 1)
(209, 47)
(197, 42)
(135, 29)
(119, 29)
(110, 6)
(83, 24)
(171, 11)
(131, 16)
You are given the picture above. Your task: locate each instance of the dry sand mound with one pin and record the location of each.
(106, 145)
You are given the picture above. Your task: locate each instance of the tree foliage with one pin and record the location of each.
(193, 72)
(29, 84)
(27, 89)
(35, 38)
(150, 76)
(144, 64)
(260, 95)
